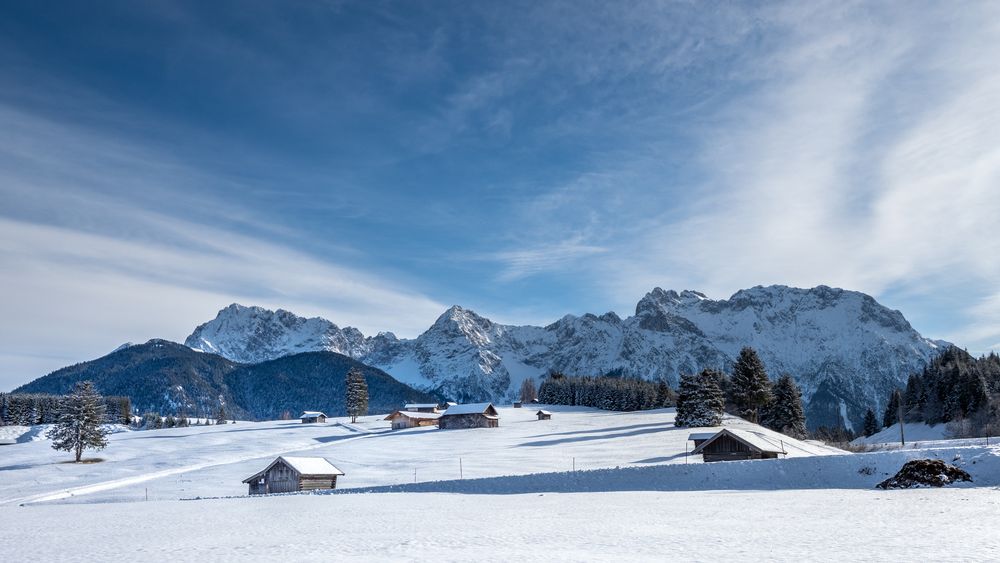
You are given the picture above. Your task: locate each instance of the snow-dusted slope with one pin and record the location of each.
(847, 351)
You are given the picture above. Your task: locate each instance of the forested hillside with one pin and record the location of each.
(171, 379)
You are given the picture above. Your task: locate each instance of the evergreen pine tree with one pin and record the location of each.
(751, 388)
(664, 395)
(786, 414)
(79, 423)
(528, 391)
(699, 400)
(871, 423)
(891, 415)
(357, 394)
(220, 416)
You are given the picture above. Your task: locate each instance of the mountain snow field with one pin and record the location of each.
(845, 350)
(501, 494)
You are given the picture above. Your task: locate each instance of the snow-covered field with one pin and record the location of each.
(634, 495)
(213, 460)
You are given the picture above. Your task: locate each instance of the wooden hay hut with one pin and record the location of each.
(476, 415)
(543, 415)
(409, 419)
(517, 404)
(293, 474)
(312, 417)
(732, 444)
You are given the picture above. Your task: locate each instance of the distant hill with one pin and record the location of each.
(170, 378)
(159, 376)
(315, 381)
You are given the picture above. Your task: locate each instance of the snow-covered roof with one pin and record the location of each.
(701, 435)
(411, 414)
(750, 438)
(311, 414)
(543, 412)
(472, 408)
(420, 406)
(303, 465)
(312, 465)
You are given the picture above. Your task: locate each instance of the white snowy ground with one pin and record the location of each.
(634, 496)
(213, 460)
(791, 525)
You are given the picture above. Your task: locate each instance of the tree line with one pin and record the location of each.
(955, 388)
(607, 393)
(27, 409)
(701, 399)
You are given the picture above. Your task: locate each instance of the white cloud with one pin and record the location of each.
(102, 242)
(863, 154)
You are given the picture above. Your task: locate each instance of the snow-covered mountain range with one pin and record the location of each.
(845, 349)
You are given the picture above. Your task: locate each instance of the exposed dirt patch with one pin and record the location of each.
(86, 460)
(925, 473)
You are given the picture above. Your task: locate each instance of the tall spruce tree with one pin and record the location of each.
(357, 394)
(750, 387)
(871, 423)
(528, 391)
(891, 415)
(79, 424)
(699, 400)
(785, 414)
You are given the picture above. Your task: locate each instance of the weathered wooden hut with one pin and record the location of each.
(477, 415)
(409, 419)
(421, 407)
(731, 444)
(543, 415)
(293, 474)
(517, 404)
(312, 417)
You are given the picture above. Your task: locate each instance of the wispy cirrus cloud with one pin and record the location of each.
(860, 152)
(103, 242)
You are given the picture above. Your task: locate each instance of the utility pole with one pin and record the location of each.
(460, 474)
(899, 411)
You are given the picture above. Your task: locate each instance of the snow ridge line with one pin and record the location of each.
(118, 483)
(847, 471)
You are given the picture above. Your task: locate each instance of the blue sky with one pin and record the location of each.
(375, 162)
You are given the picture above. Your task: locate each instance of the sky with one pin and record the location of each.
(376, 162)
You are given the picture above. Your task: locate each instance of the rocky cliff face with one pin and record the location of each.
(845, 350)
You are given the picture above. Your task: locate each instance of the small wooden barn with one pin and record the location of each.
(409, 419)
(476, 415)
(517, 404)
(420, 407)
(293, 474)
(543, 415)
(312, 417)
(731, 444)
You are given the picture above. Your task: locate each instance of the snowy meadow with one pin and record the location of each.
(587, 484)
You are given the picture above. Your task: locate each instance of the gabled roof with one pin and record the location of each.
(751, 439)
(543, 412)
(473, 408)
(411, 414)
(301, 465)
(420, 406)
(311, 414)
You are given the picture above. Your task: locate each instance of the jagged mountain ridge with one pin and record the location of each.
(845, 349)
